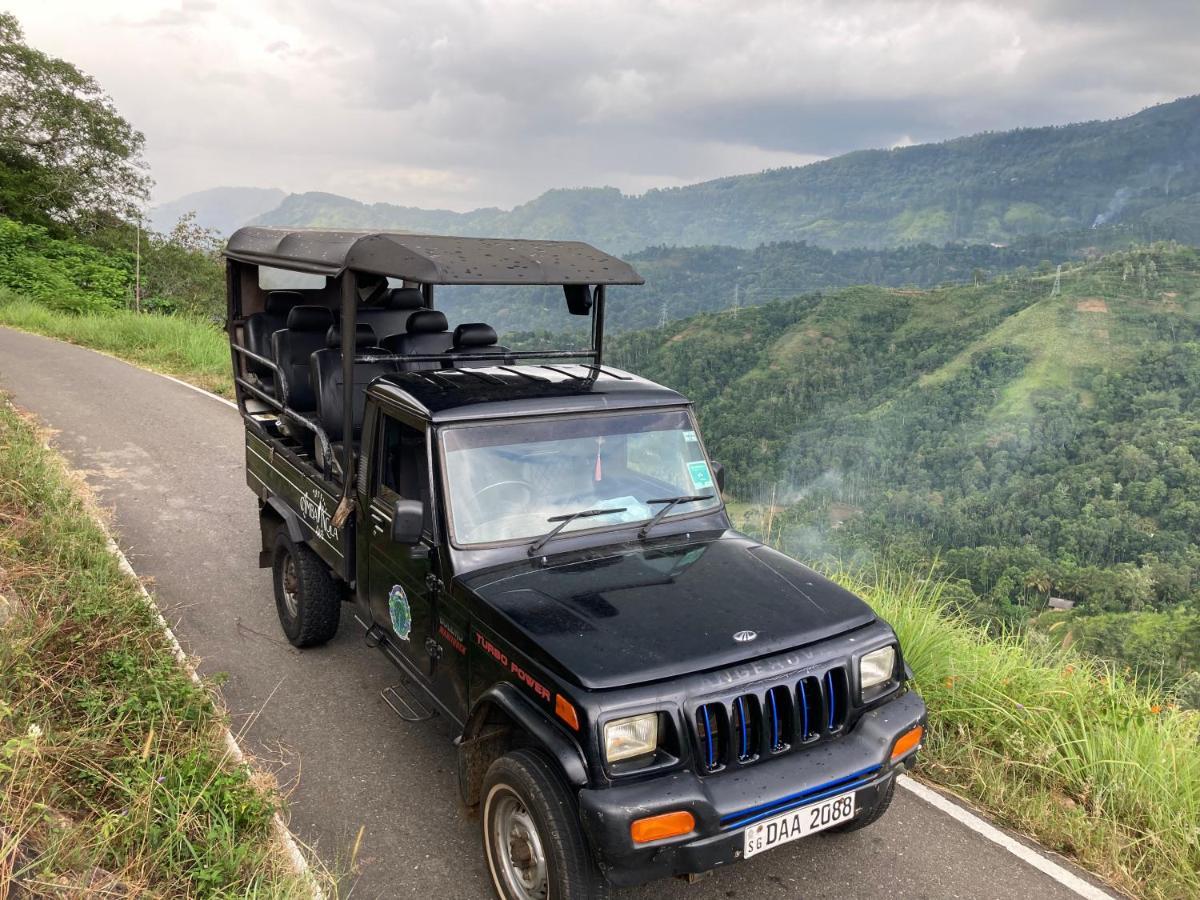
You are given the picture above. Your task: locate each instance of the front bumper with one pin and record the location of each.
(724, 804)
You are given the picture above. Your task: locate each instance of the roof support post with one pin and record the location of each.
(349, 340)
(598, 324)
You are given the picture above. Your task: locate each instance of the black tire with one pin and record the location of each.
(524, 788)
(310, 605)
(881, 806)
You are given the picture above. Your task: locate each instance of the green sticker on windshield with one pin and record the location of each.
(701, 477)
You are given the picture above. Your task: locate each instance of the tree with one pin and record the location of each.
(66, 155)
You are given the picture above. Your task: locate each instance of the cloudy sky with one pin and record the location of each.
(465, 103)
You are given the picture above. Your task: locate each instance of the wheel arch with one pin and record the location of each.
(503, 718)
(273, 514)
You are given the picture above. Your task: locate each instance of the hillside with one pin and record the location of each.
(1143, 170)
(224, 209)
(684, 281)
(1037, 433)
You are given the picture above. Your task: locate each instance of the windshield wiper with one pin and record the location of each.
(671, 503)
(564, 521)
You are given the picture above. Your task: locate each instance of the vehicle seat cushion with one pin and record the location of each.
(364, 336)
(391, 316)
(306, 329)
(261, 325)
(329, 381)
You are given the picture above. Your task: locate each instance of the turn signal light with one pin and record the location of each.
(565, 711)
(667, 825)
(907, 742)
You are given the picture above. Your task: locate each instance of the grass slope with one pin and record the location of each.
(174, 345)
(114, 778)
(1054, 744)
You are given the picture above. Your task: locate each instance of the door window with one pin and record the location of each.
(403, 464)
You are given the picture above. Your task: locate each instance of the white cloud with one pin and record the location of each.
(461, 103)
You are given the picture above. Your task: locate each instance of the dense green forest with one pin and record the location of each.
(991, 187)
(1034, 435)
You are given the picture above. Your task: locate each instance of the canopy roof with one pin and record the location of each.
(428, 258)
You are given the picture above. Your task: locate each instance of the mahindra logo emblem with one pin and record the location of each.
(745, 637)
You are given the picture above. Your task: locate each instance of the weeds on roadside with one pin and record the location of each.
(114, 780)
(1057, 745)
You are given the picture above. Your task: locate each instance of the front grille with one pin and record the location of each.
(748, 727)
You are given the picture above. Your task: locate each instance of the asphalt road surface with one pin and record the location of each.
(168, 462)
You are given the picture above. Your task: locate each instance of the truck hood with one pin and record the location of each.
(642, 613)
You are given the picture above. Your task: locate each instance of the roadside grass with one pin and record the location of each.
(114, 777)
(177, 345)
(1054, 744)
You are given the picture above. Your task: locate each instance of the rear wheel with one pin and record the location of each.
(307, 597)
(535, 848)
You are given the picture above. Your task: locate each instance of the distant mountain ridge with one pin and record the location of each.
(225, 209)
(993, 187)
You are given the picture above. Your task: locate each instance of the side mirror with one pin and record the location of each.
(719, 475)
(407, 520)
(579, 299)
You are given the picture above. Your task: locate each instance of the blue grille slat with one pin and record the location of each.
(708, 735)
(832, 698)
(741, 711)
(774, 721)
(793, 801)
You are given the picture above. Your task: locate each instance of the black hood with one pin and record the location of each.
(646, 613)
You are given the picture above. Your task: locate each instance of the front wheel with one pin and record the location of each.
(307, 597)
(535, 848)
(881, 806)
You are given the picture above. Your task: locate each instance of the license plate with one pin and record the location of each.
(799, 822)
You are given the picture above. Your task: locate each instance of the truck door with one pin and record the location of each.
(398, 576)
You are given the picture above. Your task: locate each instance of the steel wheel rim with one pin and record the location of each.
(291, 586)
(518, 850)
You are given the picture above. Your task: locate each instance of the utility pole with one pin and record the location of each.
(137, 269)
(1057, 289)
(737, 301)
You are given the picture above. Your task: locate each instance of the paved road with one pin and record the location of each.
(168, 462)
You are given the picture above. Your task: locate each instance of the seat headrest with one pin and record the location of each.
(364, 336)
(404, 298)
(474, 334)
(281, 302)
(309, 318)
(427, 321)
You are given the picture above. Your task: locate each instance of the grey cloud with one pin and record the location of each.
(462, 103)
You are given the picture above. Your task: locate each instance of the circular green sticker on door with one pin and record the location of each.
(400, 612)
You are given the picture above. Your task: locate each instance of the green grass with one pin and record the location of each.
(175, 345)
(1055, 745)
(114, 778)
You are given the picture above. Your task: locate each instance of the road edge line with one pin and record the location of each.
(282, 833)
(985, 829)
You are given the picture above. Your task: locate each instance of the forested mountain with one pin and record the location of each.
(223, 209)
(1039, 434)
(991, 187)
(684, 281)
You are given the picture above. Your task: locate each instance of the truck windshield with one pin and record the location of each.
(507, 480)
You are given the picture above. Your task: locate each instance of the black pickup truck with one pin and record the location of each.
(538, 541)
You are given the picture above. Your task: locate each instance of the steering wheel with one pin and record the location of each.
(523, 485)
